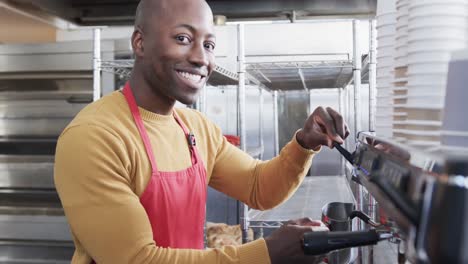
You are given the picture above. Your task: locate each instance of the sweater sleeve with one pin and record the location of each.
(92, 176)
(260, 184)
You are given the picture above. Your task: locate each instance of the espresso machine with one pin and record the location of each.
(421, 197)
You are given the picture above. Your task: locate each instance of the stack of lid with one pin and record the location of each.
(435, 29)
(386, 27)
(401, 67)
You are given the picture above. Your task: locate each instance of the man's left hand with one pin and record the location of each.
(323, 126)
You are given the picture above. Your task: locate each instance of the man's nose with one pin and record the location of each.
(198, 56)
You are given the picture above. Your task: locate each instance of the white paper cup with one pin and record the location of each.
(442, 56)
(386, 42)
(385, 81)
(384, 101)
(427, 67)
(437, 32)
(401, 59)
(385, 91)
(386, 30)
(386, 19)
(431, 21)
(443, 9)
(385, 108)
(400, 83)
(385, 6)
(384, 71)
(401, 41)
(431, 45)
(427, 79)
(402, 19)
(426, 101)
(384, 62)
(399, 3)
(386, 54)
(432, 2)
(436, 124)
(436, 90)
(401, 49)
(422, 133)
(422, 143)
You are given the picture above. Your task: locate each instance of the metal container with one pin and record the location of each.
(336, 216)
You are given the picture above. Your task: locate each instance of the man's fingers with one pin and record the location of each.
(306, 221)
(326, 121)
(346, 131)
(324, 140)
(338, 122)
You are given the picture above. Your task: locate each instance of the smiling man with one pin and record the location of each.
(132, 178)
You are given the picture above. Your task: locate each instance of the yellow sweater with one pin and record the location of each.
(101, 169)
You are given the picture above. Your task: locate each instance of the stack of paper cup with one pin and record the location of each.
(435, 29)
(386, 29)
(401, 67)
(455, 127)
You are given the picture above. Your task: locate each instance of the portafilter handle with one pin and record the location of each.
(320, 243)
(364, 218)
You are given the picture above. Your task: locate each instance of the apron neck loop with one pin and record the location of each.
(127, 91)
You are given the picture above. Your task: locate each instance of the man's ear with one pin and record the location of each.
(137, 42)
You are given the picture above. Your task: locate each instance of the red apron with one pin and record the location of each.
(174, 201)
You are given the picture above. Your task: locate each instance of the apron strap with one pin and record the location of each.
(127, 91)
(190, 139)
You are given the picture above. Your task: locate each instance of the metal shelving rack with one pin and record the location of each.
(307, 75)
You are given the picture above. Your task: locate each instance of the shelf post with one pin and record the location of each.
(357, 77)
(275, 122)
(96, 64)
(341, 109)
(372, 73)
(243, 210)
(372, 110)
(260, 121)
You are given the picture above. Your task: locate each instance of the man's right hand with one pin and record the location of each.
(285, 244)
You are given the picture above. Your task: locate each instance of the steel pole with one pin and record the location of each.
(341, 109)
(372, 73)
(275, 122)
(260, 117)
(242, 208)
(372, 110)
(96, 64)
(357, 77)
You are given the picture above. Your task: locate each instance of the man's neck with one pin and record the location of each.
(148, 98)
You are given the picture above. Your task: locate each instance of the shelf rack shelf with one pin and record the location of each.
(302, 75)
(123, 69)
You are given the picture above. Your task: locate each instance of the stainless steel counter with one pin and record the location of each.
(308, 200)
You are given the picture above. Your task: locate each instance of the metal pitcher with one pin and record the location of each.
(338, 217)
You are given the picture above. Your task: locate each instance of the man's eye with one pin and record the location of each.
(183, 39)
(209, 46)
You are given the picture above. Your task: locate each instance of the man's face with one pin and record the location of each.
(179, 49)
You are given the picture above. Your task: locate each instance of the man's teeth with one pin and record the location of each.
(192, 77)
